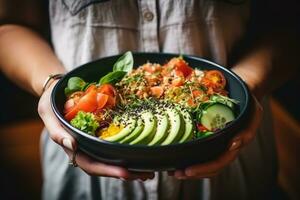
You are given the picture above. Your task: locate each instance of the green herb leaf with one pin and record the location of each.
(124, 63)
(203, 134)
(74, 84)
(198, 115)
(112, 77)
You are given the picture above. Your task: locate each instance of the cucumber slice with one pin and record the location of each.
(217, 116)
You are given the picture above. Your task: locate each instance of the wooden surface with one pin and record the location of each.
(287, 132)
(20, 171)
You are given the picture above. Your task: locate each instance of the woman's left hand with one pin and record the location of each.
(214, 167)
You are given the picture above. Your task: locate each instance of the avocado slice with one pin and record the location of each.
(135, 133)
(128, 128)
(161, 129)
(149, 129)
(176, 126)
(189, 126)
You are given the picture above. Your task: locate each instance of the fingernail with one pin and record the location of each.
(235, 145)
(67, 143)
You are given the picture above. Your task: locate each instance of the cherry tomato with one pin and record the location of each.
(180, 65)
(216, 78)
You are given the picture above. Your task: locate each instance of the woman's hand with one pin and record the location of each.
(213, 168)
(86, 163)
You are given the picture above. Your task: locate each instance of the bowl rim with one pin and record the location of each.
(154, 147)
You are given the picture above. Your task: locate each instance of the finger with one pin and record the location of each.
(56, 131)
(247, 135)
(95, 168)
(179, 173)
(141, 175)
(213, 166)
(198, 176)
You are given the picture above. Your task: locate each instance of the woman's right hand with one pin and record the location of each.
(59, 135)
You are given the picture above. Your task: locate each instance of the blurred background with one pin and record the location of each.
(20, 126)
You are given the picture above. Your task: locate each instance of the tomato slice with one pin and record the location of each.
(201, 128)
(107, 89)
(216, 78)
(157, 91)
(87, 103)
(101, 100)
(72, 113)
(111, 102)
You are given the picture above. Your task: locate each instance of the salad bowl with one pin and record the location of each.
(155, 158)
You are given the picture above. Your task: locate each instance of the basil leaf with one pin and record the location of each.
(112, 77)
(67, 91)
(74, 84)
(124, 63)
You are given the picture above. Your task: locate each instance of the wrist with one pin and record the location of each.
(254, 82)
(255, 72)
(41, 82)
(50, 79)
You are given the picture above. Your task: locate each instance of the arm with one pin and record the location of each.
(271, 62)
(265, 66)
(28, 60)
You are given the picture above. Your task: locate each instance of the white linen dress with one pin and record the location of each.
(84, 30)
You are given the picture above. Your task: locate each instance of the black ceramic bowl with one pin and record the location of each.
(142, 157)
